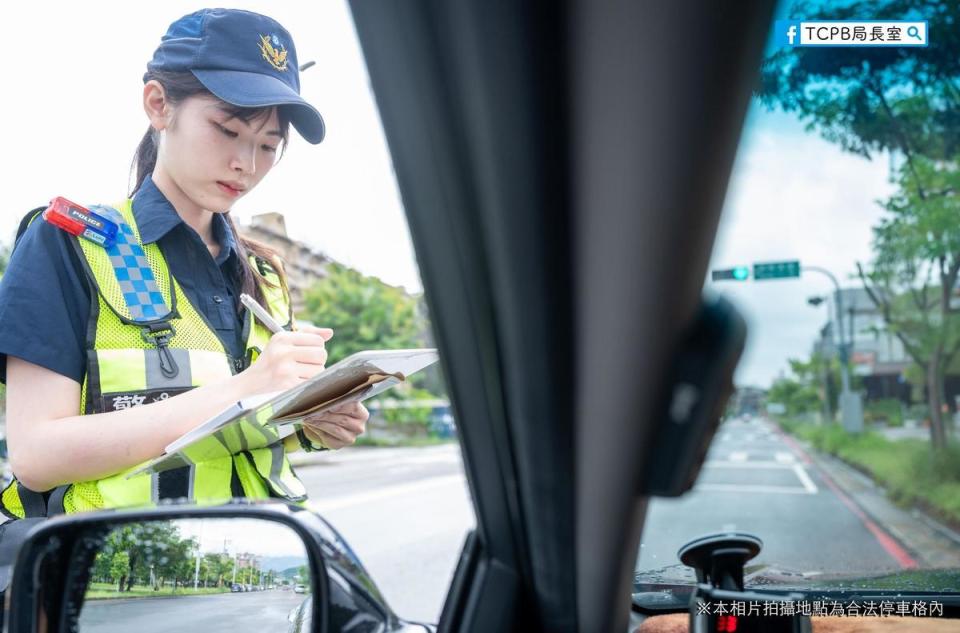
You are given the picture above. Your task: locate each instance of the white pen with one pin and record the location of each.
(260, 312)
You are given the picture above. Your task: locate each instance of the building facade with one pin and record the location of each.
(304, 265)
(877, 356)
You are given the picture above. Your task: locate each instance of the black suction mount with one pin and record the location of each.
(719, 558)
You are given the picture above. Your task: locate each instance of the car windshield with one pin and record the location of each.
(840, 243)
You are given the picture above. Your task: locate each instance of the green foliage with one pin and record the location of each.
(216, 568)
(797, 397)
(119, 566)
(105, 591)
(878, 99)
(916, 254)
(407, 415)
(804, 391)
(407, 412)
(365, 440)
(364, 313)
(868, 100)
(131, 551)
(888, 411)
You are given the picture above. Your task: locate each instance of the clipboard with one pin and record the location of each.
(266, 419)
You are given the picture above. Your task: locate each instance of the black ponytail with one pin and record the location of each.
(145, 159)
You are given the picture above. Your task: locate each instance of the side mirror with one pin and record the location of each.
(268, 567)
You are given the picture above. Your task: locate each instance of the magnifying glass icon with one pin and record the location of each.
(914, 32)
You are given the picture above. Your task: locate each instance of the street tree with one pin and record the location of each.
(122, 548)
(119, 568)
(213, 568)
(914, 273)
(904, 103)
(803, 392)
(364, 312)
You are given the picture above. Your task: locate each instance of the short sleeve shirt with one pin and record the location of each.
(45, 296)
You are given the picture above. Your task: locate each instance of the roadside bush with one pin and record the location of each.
(797, 426)
(945, 465)
(887, 411)
(409, 412)
(918, 413)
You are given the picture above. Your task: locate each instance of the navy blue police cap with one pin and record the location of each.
(243, 58)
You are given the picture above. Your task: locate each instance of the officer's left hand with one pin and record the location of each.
(337, 427)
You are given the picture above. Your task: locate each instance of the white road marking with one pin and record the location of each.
(333, 503)
(740, 488)
(808, 487)
(717, 463)
(784, 457)
(805, 479)
(739, 456)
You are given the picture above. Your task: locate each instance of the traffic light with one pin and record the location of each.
(738, 273)
(776, 270)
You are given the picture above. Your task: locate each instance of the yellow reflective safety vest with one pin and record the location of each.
(131, 364)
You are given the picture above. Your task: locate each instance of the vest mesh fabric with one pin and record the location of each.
(11, 498)
(82, 498)
(112, 333)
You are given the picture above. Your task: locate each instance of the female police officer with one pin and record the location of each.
(112, 353)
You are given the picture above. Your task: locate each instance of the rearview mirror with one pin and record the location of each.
(236, 568)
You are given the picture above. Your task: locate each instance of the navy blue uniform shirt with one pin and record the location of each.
(45, 297)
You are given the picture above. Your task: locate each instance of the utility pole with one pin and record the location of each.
(196, 569)
(824, 369)
(851, 405)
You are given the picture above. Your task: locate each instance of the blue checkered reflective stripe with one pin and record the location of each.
(137, 283)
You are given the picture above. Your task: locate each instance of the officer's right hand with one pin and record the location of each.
(289, 359)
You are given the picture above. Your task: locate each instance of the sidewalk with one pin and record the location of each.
(932, 544)
(910, 432)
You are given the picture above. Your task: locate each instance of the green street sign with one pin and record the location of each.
(776, 270)
(738, 273)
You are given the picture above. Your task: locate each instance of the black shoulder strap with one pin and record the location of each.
(34, 504)
(55, 500)
(26, 222)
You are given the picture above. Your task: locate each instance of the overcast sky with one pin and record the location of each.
(792, 195)
(254, 536)
(75, 118)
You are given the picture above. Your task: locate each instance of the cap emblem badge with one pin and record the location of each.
(273, 51)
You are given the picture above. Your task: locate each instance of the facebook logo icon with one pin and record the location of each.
(788, 33)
